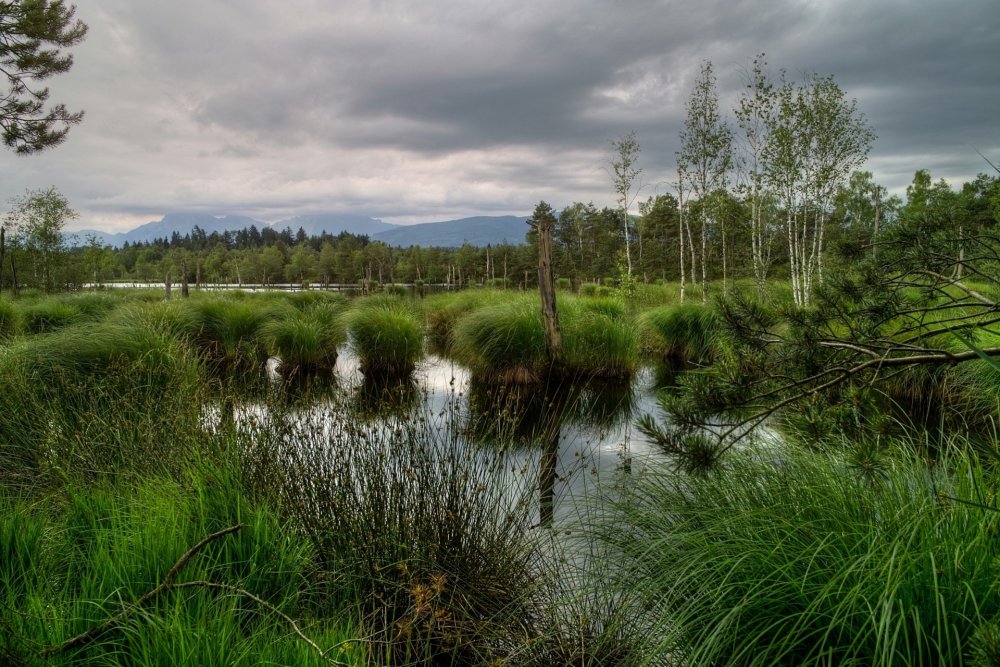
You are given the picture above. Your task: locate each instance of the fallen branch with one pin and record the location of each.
(167, 584)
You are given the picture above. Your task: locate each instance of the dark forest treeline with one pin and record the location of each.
(588, 245)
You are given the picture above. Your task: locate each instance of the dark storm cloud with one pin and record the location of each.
(428, 109)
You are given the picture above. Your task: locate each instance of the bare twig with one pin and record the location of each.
(98, 630)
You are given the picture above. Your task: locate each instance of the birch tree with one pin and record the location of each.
(755, 109)
(705, 157)
(817, 138)
(625, 174)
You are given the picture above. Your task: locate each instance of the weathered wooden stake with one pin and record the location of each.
(544, 221)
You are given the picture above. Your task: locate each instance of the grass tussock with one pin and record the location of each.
(443, 311)
(49, 315)
(387, 336)
(430, 533)
(599, 341)
(307, 341)
(683, 334)
(229, 334)
(504, 342)
(805, 558)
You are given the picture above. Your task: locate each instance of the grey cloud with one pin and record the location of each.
(256, 107)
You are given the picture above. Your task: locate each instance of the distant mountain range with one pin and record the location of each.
(477, 231)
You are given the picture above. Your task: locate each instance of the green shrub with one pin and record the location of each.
(588, 289)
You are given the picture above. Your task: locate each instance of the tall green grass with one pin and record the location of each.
(802, 558)
(685, 333)
(95, 400)
(10, 319)
(229, 334)
(430, 533)
(387, 336)
(70, 565)
(306, 341)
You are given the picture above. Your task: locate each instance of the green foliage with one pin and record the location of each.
(798, 558)
(387, 336)
(32, 32)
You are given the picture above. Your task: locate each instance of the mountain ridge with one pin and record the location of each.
(474, 230)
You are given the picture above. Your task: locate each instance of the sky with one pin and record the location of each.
(439, 109)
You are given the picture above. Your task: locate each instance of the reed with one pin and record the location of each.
(430, 532)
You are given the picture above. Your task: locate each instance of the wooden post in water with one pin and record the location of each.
(544, 221)
(166, 287)
(547, 466)
(185, 292)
